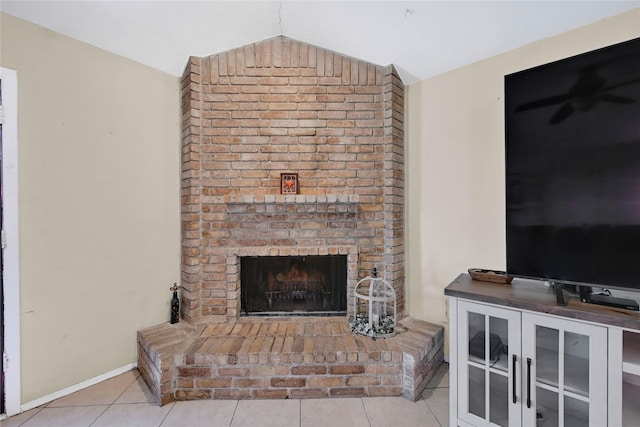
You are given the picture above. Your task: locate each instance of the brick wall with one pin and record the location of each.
(285, 106)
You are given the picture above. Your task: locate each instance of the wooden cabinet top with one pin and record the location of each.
(535, 296)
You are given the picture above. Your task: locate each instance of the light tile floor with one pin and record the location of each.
(125, 401)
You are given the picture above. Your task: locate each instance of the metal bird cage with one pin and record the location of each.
(374, 307)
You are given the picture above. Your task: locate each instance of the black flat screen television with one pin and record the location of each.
(573, 169)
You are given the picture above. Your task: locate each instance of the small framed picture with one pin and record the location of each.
(289, 183)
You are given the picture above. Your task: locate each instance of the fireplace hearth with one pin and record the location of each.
(294, 285)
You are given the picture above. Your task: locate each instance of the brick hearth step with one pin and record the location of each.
(286, 357)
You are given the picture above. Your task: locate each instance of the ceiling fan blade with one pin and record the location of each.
(616, 99)
(617, 85)
(565, 111)
(544, 102)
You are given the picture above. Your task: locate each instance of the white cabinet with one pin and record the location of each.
(518, 359)
(565, 372)
(487, 378)
(534, 370)
(624, 377)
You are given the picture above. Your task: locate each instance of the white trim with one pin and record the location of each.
(614, 387)
(11, 261)
(453, 357)
(77, 387)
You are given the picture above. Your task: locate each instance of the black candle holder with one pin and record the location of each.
(175, 304)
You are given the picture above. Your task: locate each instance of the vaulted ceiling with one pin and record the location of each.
(421, 38)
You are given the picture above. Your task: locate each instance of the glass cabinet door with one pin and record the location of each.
(489, 365)
(564, 372)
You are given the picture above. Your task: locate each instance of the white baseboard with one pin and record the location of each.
(77, 387)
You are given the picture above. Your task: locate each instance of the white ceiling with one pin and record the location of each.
(421, 38)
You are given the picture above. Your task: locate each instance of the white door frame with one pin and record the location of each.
(11, 251)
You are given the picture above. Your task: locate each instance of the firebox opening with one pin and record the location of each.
(294, 285)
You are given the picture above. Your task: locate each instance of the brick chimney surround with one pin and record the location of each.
(250, 114)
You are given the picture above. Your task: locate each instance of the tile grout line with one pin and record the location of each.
(101, 414)
(366, 414)
(116, 399)
(234, 413)
(434, 415)
(173, 405)
(40, 408)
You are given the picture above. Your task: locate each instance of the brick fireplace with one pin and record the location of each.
(249, 115)
(277, 106)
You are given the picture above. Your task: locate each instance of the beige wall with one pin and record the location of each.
(99, 159)
(99, 147)
(455, 162)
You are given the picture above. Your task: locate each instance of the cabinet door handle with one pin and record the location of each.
(528, 382)
(513, 378)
